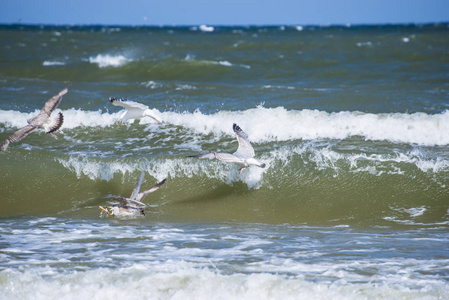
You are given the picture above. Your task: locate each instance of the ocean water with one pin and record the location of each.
(351, 121)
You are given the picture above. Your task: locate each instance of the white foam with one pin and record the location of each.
(151, 84)
(407, 216)
(265, 125)
(53, 63)
(95, 169)
(324, 157)
(205, 28)
(122, 260)
(412, 212)
(417, 128)
(73, 118)
(365, 44)
(106, 60)
(225, 63)
(106, 170)
(180, 280)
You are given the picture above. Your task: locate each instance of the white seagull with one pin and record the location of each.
(243, 156)
(42, 120)
(134, 110)
(132, 206)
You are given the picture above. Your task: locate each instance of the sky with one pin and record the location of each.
(222, 12)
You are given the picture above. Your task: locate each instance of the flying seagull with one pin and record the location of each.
(132, 206)
(243, 156)
(134, 110)
(42, 120)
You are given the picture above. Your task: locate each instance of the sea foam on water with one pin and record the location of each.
(107, 60)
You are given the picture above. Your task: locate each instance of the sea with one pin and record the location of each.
(352, 123)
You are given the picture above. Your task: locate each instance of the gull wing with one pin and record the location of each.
(137, 187)
(128, 104)
(207, 155)
(120, 200)
(230, 158)
(245, 150)
(141, 195)
(52, 125)
(17, 136)
(226, 157)
(53, 102)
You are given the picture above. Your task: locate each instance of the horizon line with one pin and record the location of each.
(233, 25)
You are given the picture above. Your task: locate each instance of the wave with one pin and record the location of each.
(198, 62)
(73, 118)
(118, 60)
(107, 60)
(205, 28)
(48, 63)
(265, 125)
(282, 166)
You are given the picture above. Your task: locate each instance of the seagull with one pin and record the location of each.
(134, 110)
(132, 206)
(243, 156)
(42, 120)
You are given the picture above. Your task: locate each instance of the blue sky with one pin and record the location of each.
(222, 12)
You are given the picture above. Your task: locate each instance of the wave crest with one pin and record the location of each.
(106, 60)
(265, 125)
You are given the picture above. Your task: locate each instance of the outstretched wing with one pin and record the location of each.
(245, 150)
(127, 104)
(17, 136)
(53, 102)
(137, 187)
(225, 157)
(121, 200)
(54, 124)
(141, 195)
(206, 155)
(229, 158)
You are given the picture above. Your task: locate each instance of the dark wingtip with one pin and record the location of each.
(112, 99)
(61, 119)
(263, 166)
(236, 127)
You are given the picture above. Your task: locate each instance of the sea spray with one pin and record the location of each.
(265, 125)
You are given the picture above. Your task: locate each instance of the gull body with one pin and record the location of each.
(132, 206)
(243, 156)
(134, 110)
(42, 120)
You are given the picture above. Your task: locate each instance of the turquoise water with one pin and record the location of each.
(352, 123)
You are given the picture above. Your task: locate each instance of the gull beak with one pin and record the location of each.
(105, 210)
